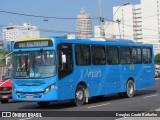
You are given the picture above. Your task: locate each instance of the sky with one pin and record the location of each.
(55, 8)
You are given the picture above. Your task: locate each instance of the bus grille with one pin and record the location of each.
(5, 88)
(34, 95)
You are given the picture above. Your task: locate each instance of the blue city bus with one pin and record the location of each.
(55, 69)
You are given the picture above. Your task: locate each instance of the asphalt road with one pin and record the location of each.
(145, 100)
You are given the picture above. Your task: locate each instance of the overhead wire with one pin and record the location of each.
(40, 16)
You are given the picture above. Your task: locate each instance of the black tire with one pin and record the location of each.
(130, 90)
(4, 101)
(80, 96)
(43, 104)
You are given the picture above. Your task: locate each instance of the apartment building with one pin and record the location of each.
(15, 32)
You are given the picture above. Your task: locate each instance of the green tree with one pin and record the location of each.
(64, 36)
(3, 53)
(157, 59)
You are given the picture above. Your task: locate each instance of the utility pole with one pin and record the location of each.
(118, 21)
(101, 20)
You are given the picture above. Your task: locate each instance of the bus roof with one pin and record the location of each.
(98, 41)
(101, 41)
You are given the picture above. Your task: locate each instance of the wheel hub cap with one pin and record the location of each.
(79, 95)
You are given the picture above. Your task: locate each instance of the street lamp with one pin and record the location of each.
(118, 21)
(6, 58)
(45, 21)
(119, 8)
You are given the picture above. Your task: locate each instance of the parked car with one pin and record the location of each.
(157, 72)
(6, 87)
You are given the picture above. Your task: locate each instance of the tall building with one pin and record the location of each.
(151, 23)
(15, 32)
(140, 23)
(83, 23)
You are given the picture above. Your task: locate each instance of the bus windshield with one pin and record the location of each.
(35, 64)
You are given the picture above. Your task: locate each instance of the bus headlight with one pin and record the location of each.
(51, 87)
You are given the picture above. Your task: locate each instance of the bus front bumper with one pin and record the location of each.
(35, 97)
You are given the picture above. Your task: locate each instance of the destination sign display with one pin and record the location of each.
(33, 44)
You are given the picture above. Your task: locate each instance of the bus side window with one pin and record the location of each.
(112, 55)
(125, 55)
(136, 55)
(82, 54)
(98, 55)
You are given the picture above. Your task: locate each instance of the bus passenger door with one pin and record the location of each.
(113, 70)
(65, 68)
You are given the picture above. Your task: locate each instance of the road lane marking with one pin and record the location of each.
(151, 96)
(98, 105)
(26, 118)
(121, 118)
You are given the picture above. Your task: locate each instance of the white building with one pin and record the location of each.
(15, 32)
(71, 36)
(139, 22)
(151, 23)
(108, 28)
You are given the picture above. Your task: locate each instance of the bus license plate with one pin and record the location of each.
(29, 96)
(5, 96)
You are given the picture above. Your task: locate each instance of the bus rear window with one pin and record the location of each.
(147, 55)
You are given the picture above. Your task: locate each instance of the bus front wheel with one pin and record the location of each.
(80, 96)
